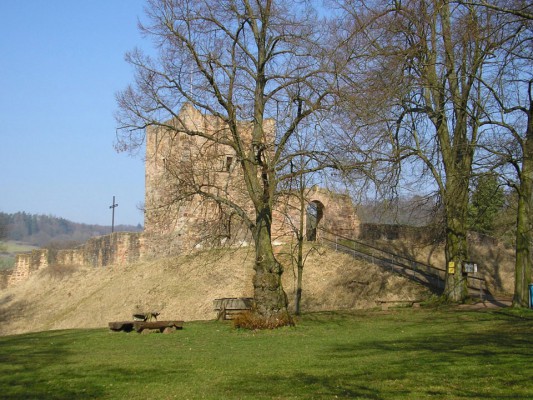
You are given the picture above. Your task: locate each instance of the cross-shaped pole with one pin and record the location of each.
(112, 207)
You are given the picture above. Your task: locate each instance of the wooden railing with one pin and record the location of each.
(426, 274)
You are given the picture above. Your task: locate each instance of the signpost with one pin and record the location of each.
(112, 207)
(470, 267)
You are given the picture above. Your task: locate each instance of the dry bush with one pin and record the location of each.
(59, 271)
(253, 321)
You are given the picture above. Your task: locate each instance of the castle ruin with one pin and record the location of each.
(177, 219)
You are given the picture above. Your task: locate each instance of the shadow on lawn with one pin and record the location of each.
(27, 368)
(44, 366)
(301, 386)
(494, 363)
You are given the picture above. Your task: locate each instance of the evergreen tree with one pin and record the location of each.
(487, 201)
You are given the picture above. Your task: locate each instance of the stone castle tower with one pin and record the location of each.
(178, 164)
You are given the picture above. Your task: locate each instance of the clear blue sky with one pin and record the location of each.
(61, 63)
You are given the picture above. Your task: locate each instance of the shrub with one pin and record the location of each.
(59, 271)
(254, 321)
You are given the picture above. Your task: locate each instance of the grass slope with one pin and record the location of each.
(403, 354)
(184, 288)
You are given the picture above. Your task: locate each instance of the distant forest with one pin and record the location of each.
(47, 230)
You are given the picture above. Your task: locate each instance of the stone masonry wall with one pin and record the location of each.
(116, 249)
(26, 264)
(178, 220)
(337, 215)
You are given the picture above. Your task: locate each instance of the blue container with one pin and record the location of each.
(531, 296)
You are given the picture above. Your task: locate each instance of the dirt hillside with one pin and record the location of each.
(185, 287)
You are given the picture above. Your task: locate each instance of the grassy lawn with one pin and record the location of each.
(407, 354)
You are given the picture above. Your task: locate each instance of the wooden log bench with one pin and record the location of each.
(126, 326)
(230, 307)
(146, 326)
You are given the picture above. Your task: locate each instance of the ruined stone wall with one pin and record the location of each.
(116, 249)
(337, 215)
(176, 220)
(26, 264)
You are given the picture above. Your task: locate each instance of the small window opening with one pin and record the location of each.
(229, 163)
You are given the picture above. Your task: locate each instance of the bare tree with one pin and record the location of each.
(519, 8)
(517, 151)
(428, 59)
(508, 148)
(252, 61)
(294, 203)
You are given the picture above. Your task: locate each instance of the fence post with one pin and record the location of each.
(336, 245)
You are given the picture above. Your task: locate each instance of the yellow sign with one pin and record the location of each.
(451, 267)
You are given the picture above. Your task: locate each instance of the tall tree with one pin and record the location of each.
(509, 148)
(238, 60)
(428, 59)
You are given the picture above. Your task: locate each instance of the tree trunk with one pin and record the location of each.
(524, 226)
(456, 289)
(523, 249)
(299, 277)
(300, 235)
(269, 296)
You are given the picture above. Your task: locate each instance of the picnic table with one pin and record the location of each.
(146, 326)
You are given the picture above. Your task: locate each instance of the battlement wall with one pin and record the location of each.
(116, 249)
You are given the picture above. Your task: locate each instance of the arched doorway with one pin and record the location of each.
(314, 214)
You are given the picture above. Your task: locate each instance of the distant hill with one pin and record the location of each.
(48, 230)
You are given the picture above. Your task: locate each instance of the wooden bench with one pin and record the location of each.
(385, 304)
(146, 326)
(229, 308)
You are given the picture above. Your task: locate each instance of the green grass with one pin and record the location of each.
(405, 354)
(9, 249)
(12, 246)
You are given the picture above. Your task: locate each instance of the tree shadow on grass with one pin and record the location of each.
(300, 386)
(459, 362)
(42, 366)
(491, 364)
(27, 368)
